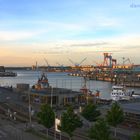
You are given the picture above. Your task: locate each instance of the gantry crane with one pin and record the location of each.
(77, 64)
(48, 66)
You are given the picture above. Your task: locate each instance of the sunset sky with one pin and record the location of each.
(58, 30)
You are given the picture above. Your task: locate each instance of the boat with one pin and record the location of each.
(85, 91)
(42, 83)
(7, 74)
(4, 73)
(43, 92)
(121, 93)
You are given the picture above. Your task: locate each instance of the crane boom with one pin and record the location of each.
(77, 64)
(46, 61)
(71, 61)
(82, 61)
(125, 60)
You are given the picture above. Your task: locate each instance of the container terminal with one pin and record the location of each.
(109, 70)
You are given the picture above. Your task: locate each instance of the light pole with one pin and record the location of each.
(30, 118)
(115, 79)
(86, 90)
(51, 96)
(124, 79)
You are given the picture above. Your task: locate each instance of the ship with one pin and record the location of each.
(4, 73)
(43, 92)
(121, 93)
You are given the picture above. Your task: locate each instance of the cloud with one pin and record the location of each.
(41, 29)
(121, 46)
(103, 51)
(95, 23)
(17, 35)
(44, 24)
(105, 21)
(131, 47)
(113, 44)
(89, 44)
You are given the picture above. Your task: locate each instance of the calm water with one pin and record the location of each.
(58, 80)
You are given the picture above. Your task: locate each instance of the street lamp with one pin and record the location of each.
(124, 79)
(30, 118)
(115, 79)
(51, 96)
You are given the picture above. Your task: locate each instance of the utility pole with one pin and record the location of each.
(30, 118)
(86, 90)
(51, 96)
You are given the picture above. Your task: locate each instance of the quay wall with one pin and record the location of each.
(127, 80)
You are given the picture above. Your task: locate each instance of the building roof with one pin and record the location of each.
(54, 91)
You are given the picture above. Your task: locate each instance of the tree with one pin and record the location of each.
(136, 136)
(100, 131)
(115, 116)
(90, 112)
(46, 116)
(69, 122)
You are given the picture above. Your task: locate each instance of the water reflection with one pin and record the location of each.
(59, 80)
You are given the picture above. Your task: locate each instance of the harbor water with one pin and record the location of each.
(59, 79)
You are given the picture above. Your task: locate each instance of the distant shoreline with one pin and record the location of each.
(18, 68)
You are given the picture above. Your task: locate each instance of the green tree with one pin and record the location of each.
(115, 116)
(46, 116)
(100, 131)
(70, 121)
(90, 112)
(136, 136)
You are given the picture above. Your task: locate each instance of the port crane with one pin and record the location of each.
(35, 67)
(108, 60)
(126, 60)
(48, 66)
(61, 66)
(78, 64)
(97, 64)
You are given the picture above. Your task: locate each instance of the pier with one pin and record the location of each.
(129, 80)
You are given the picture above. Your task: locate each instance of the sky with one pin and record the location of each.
(59, 30)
